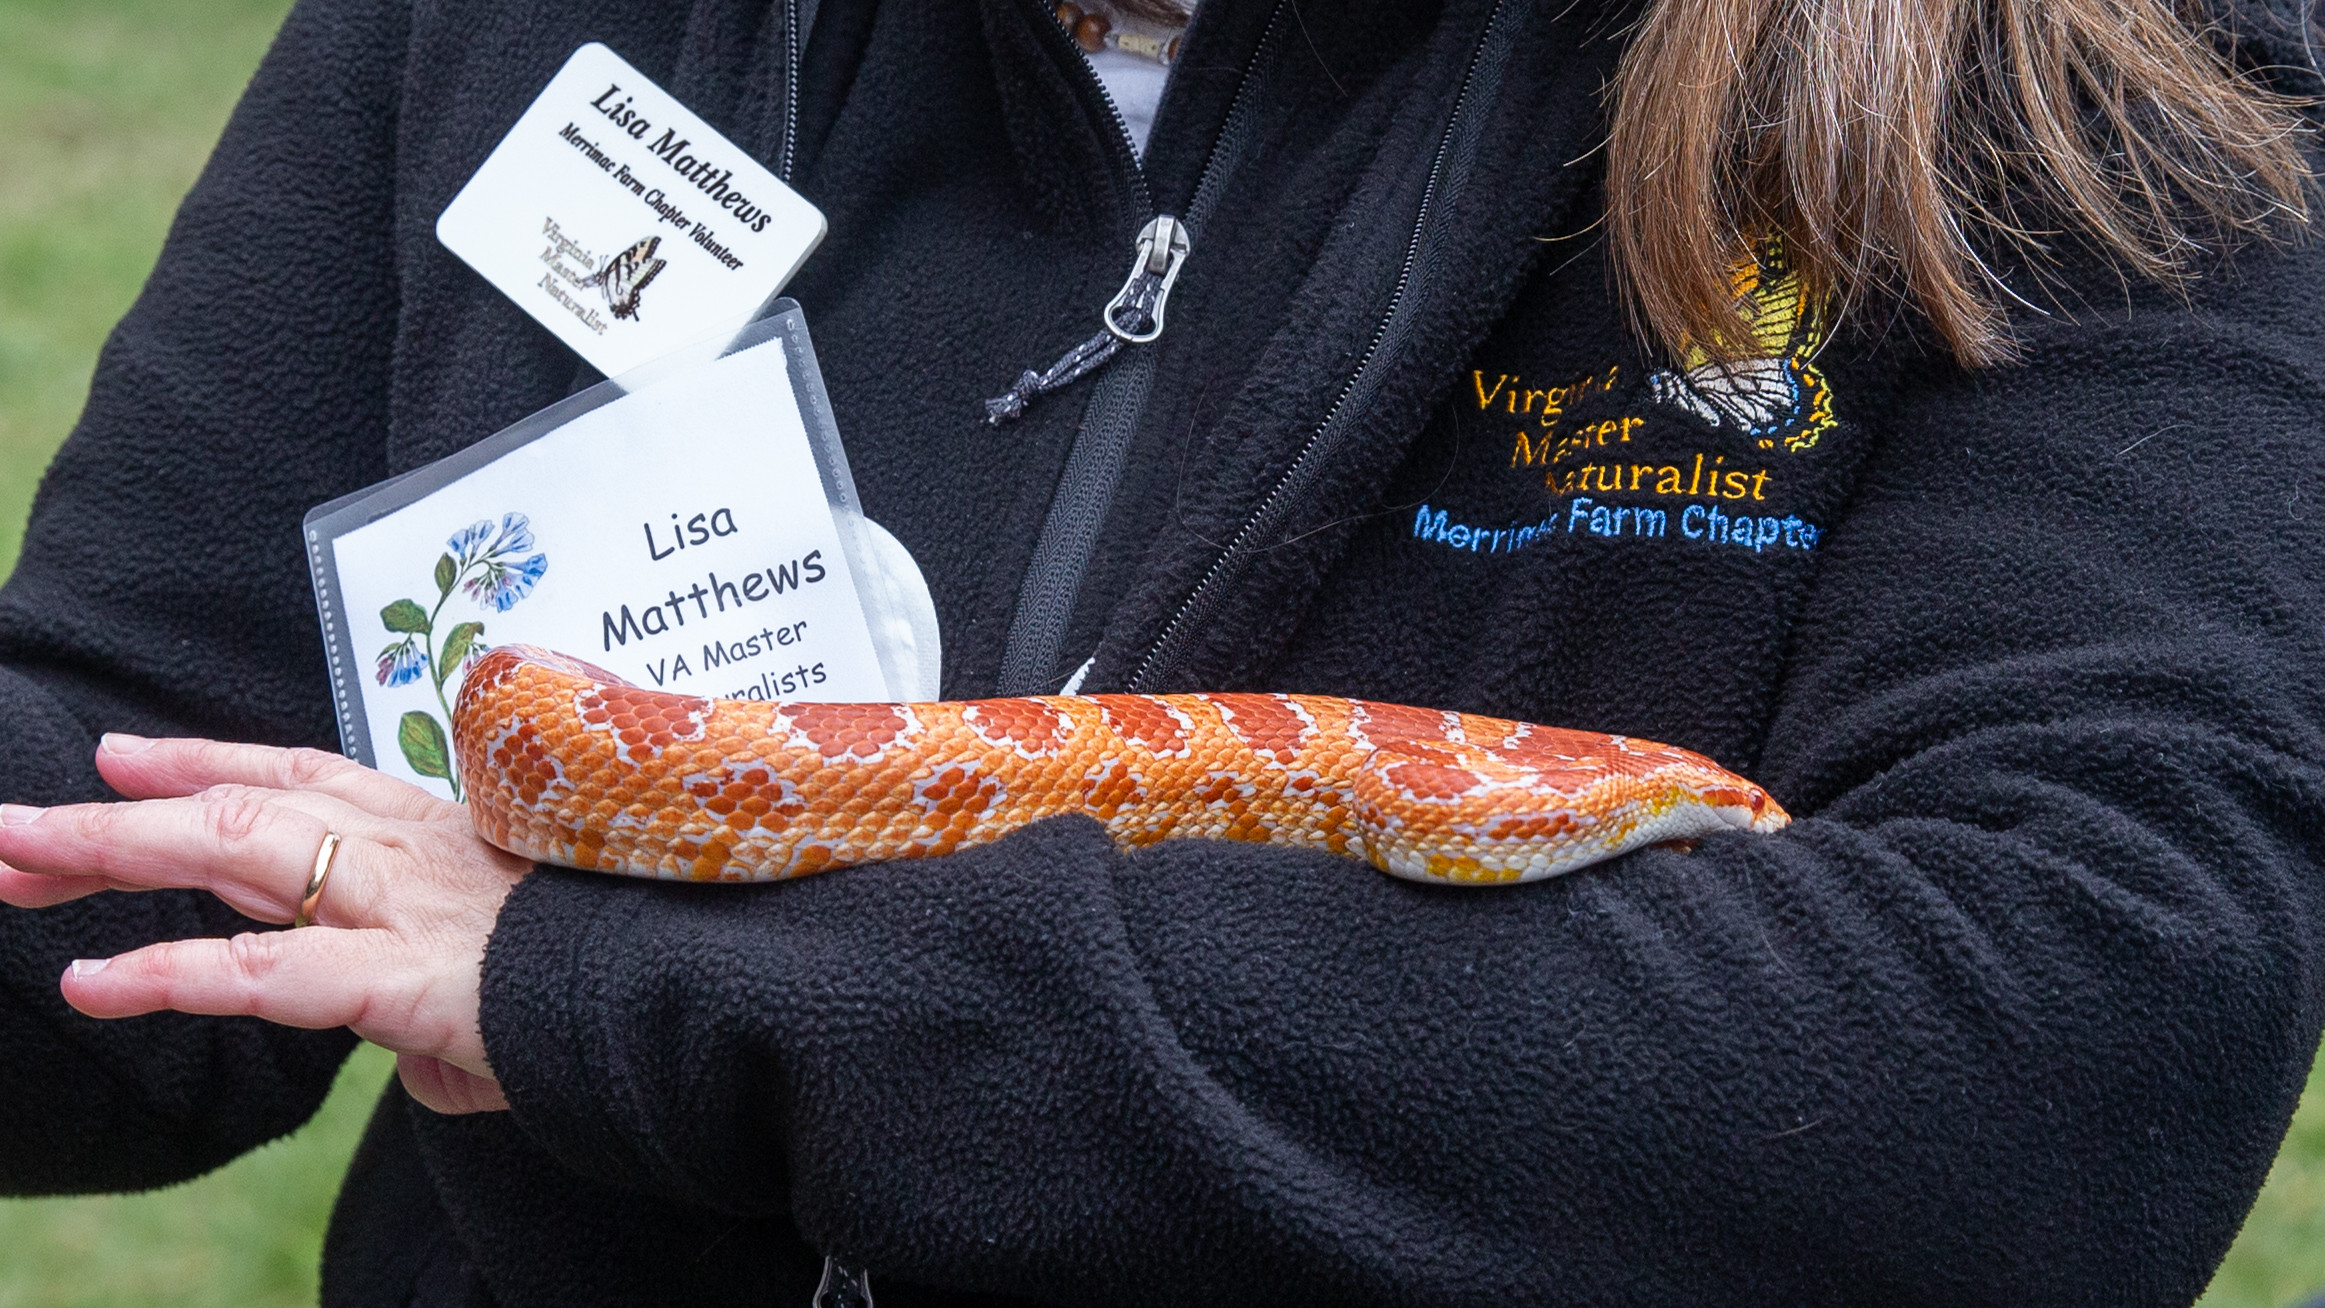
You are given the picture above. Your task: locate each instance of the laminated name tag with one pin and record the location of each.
(691, 527)
(622, 222)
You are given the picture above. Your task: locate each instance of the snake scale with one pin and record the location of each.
(566, 763)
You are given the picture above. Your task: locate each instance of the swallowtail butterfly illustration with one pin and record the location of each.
(1779, 395)
(626, 276)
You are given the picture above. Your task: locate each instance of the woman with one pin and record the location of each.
(1954, 484)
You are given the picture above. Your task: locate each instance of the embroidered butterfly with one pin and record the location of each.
(626, 276)
(1779, 395)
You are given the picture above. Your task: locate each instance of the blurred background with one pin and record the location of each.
(111, 107)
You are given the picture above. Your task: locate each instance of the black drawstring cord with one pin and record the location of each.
(1077, 363)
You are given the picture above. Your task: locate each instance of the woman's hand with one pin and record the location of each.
(397, 947)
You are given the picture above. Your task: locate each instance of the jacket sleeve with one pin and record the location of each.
(163, 589)
(2015, 1013)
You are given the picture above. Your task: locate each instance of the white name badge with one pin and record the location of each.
(622, 222)
(691, 527)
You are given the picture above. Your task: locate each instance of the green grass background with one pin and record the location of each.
(110, 107)
(107, 109)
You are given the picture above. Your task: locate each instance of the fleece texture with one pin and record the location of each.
(2015, 1013)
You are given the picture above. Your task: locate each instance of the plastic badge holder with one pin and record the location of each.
(890, 590)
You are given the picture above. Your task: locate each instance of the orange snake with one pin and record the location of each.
(567, 764)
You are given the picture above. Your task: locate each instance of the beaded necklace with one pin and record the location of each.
(1097, 25)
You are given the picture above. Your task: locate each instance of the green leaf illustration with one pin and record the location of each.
(456, 648)
(422, 738)
(447, 572)
(404, 615)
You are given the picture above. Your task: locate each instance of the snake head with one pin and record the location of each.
(1451, 812)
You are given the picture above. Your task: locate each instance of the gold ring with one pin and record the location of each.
(315, 880)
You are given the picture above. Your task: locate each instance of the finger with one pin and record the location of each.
(255, 849)
(31, 890)
(271, 975)
(368, 981)
(448, 1088)
(145, 768)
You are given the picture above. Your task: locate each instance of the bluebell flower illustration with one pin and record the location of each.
(496, 577)
(402, 663)
(494, 566)
(468, 542)
(516, 534)
(498, 585)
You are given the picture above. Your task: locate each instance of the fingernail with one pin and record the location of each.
(121, 742)
(89, 966)
(17, 815)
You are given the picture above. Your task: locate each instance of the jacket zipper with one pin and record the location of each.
(793, 45)
(1135, 316)
(1169, 649)
(1099, 350)
(844, 1283)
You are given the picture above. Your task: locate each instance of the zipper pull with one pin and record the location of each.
(1133, 317)
(844, 1285)
(1136, 312)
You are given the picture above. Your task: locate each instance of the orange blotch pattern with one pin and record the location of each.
(1270, 725)
(1432, 781)
(1387, 724)
(1029, 725)
(1145, 721)
(840, 730)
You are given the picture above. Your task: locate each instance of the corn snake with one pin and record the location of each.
(567, 764)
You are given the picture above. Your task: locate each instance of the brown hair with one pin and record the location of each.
(1887, 142)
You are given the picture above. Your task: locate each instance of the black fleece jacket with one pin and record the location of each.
(2015, 1013)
